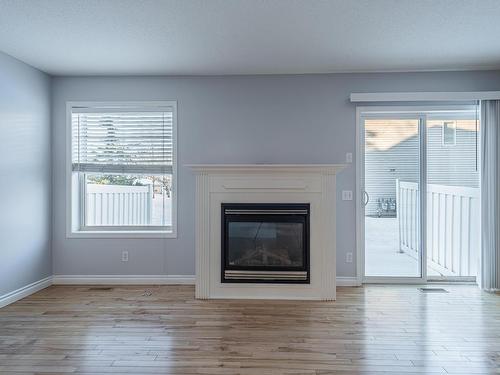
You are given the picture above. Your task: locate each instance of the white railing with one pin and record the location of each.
(453, 214)
(408, 214)
(453, 228)
(119, 204)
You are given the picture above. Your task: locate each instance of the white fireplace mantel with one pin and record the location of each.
(265, 183)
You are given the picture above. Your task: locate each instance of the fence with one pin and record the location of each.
(453, 214)
(119, 204)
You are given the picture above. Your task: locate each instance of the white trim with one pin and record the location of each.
(152, 280)
(123, 279)
(422, 254)
(347, 281)
(423, 96)
(359, 194)
(25, 291)
(394, 280)
(71, 228)
(118, 104)
(436, 111)
(267, 168)
(69, 170)
(120, 234)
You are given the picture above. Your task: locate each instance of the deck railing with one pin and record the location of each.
(119, 204)
(453, 215)
(408, 214)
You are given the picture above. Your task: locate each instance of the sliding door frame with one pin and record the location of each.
(388, 112)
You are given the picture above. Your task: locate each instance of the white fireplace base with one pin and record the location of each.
(267, 183)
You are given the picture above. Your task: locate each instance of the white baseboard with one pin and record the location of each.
(149, 279)
(25, 291)
(123, 279)
(347, 281)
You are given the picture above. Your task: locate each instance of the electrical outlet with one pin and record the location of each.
(348, 257)
(348, 157)
(125, 256)
(347, 195)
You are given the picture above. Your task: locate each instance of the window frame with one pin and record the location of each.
(443, 138)
(75, 185)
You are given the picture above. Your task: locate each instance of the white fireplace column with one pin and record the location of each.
(266, 183)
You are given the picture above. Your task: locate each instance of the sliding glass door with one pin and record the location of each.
(420, 194)
(392, 174)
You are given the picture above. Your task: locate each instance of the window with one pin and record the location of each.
(449, 133)
(122, 178)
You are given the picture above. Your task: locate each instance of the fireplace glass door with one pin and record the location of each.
(265, 243)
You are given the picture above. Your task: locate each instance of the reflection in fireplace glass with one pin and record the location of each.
(265, 244)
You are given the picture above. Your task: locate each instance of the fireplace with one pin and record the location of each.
(222, 184)
(265, 243)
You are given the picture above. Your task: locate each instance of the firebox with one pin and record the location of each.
(265, 243)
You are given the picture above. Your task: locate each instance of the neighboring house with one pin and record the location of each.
(392, 152)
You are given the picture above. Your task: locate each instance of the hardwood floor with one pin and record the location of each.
(163, 329)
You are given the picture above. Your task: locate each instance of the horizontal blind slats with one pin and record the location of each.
(123, 168)
(122, 141)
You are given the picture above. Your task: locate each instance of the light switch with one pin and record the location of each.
(348, 157)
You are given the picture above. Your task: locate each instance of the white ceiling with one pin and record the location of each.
(198, 37)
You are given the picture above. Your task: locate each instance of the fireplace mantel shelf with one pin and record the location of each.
(306, 168)
(312, 184)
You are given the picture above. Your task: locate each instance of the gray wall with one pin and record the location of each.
(252, 119)
(25, 175)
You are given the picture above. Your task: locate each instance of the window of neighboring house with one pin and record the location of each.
(123, 173)
(449, 133)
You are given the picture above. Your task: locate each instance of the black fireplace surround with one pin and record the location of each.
(265, 243)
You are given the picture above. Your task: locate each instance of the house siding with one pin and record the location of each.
(392, 152)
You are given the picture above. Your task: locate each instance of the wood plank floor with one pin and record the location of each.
(163, 329)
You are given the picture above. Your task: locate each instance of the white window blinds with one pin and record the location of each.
(122, 140)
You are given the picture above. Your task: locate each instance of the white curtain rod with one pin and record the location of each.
(423, 96)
